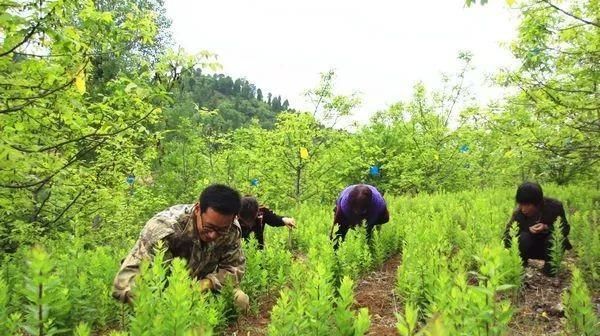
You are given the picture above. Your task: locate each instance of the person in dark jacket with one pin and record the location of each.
(358, 203)
(253, 218)
(536, 216)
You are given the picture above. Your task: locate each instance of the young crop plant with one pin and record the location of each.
(9, 323)
(347, 322)
(47, 305)
(557, 248)
(579, 309)
(147, 295)
(586, 241)
(408, 323)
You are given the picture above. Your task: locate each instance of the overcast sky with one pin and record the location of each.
(378, 48)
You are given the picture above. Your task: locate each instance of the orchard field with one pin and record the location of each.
(454, 277)
(105, 121)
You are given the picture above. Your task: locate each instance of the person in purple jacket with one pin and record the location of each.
(358, 203)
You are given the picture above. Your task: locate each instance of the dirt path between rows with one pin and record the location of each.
(539, 307)
(376, 292)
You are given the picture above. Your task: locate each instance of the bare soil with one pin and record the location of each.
(376, 292)
(539, 307)
(254, 324)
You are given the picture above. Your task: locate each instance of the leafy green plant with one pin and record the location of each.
(579, 310)
(586, 243)
(47, 303)
(147, 296)
(82, 330)
(9, 323)
(557, 248)
(409, 321)
(347, 322)
(177, 301)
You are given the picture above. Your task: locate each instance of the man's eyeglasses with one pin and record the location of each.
(220, 232)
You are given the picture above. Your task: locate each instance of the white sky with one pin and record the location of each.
(378, 48)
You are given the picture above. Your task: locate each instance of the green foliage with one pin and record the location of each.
(347, 322)
(557, 79)
(353, 256)
(266, 270)
(167, 301)
(579, 310)
(68, 141)
(454, 272)
(236, 102)
(146, 295)
(177, 300)
(499, 266)
(47, 302)
(91, 95)
(8, 323)
(557, 249)
(455, 275)
(3, 301)
(311, 307)
(408, 323)
(83, 330)
(587, 245)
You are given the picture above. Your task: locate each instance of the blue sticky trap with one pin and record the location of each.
(374, 171)
(254, 182)
(130, 179)
(464, 148)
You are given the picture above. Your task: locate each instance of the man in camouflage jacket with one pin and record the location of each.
(205, 234)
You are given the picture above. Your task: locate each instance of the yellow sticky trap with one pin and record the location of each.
(304, 153)
(510, 2)
(80, 82)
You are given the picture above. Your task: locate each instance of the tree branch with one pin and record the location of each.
(64, 210)
(91, 135)
(25, 39)
(74, 159)
(31, 100)
(571, 14)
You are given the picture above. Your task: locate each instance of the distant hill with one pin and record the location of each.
(237, 101)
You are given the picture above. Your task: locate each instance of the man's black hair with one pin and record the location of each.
(223, 199)
(530, 193)
(249, 207)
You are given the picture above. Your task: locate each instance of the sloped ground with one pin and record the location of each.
(376, 292)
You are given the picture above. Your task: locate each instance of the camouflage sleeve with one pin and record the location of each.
(156, 229)
(232, 263)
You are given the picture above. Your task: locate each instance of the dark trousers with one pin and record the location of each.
(534, 246)
(340, 234)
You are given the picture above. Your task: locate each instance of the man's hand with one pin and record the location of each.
(205, 285)
(289, 222)
(538, 228)
(127, 298)
(124, 297)
(241, 300)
